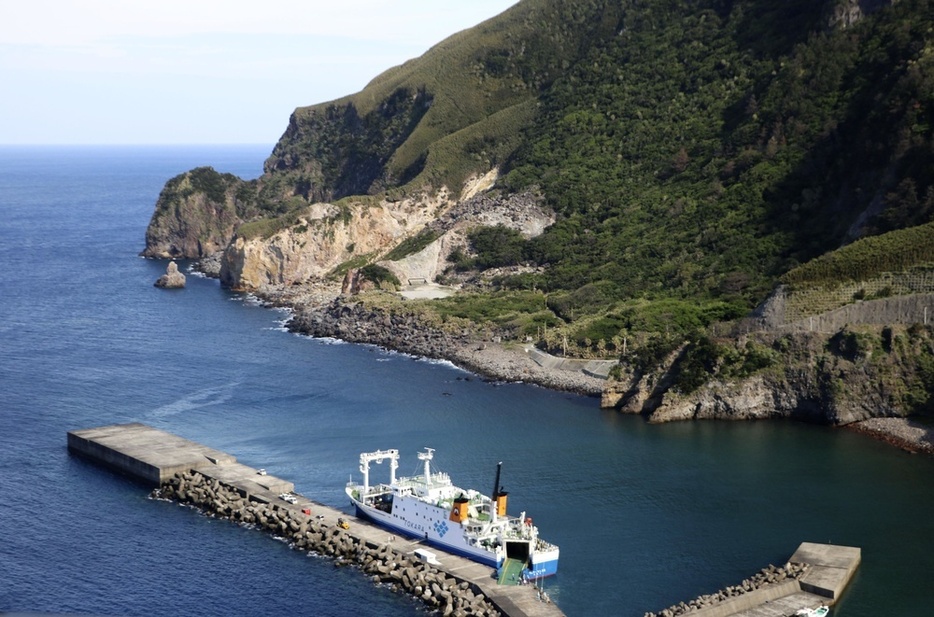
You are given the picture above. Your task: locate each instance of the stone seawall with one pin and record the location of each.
(437, 590)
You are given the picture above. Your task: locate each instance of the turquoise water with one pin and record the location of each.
(646, 516)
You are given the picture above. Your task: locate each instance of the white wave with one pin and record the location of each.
(196, 400)
(324, 340)
(441, 362)
(246, 298)
(196, 273)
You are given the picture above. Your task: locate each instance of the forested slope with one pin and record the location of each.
(694, 152)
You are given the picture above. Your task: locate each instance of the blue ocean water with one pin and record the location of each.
(646, 516)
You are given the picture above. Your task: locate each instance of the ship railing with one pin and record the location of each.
(379, 489)
(516, 534)
(542, 545)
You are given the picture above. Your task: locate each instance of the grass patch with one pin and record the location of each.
(412, 245)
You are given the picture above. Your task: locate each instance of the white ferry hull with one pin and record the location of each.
(417, 533)
(462, 522)
(542, 565)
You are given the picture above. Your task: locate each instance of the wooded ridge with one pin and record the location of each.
(693, 155)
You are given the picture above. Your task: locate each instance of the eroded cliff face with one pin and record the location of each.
(322, 238)
(196, 215)
(326, 236)
(849, 376)
(523, 212)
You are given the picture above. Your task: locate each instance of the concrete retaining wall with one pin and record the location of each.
(594, 368)
(899, 310)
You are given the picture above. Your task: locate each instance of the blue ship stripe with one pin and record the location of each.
(408, 532)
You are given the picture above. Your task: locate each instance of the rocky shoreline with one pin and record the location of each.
(318, 310)
(905, 433)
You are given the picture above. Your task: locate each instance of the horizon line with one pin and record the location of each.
(132, 145)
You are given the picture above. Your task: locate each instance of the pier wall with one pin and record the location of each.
(816, 574)
(116, 460)
(143, 452)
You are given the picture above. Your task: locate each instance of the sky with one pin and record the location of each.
(200, 71)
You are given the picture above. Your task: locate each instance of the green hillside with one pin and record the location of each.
(694, 151)
(710, 147)
(460, 107)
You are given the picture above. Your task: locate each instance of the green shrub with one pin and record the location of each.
(211, 183)
(380, 276)
(697, 364)
(650, 355)
(497, 247)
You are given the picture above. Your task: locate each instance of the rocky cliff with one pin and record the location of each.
(321, 238)
(325, 239)
(196, 214)
(681, 147)
(848, 376)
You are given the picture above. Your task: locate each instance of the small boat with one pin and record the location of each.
(820, 611)
(464, 522)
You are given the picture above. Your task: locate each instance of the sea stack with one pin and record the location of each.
(172, 279)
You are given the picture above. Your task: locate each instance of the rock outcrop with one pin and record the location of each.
(196, 214)
(323, 237)
(845, 13)
(851, 375)
(172, 279)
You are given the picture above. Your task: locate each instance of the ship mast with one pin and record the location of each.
(426, 456)
(496, 490)
(378, 456)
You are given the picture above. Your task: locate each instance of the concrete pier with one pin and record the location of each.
(827, 569)
(154, 457)
(143, 452)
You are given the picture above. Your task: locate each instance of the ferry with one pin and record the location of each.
(464, 522)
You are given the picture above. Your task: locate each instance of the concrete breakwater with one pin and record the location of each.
(215, 483)
(304, 532)
(815, 575)
(767, 578)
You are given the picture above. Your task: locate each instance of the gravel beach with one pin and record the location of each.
(904, 433)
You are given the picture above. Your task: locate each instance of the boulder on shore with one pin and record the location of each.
(172, 279)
